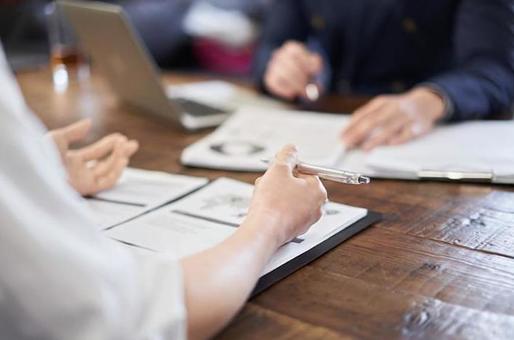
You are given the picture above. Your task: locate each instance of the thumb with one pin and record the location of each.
(76, 131)
(315, 63)
(286, 158)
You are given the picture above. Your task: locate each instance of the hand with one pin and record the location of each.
(286, 203)
(395, 119)
(95, 167)
(290, 69)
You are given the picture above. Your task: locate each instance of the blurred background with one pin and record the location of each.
(216, 36)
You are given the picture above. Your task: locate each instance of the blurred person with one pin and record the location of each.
(63, 279)
(215, 35)
(427, 62)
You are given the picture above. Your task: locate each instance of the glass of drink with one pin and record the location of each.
(67, 61)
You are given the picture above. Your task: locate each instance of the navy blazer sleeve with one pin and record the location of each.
(482, 82)
(285, 21)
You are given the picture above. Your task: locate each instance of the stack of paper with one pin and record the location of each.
(486, 147)
(456, 152)
(208, 216)
(252, 135)
(138, 192)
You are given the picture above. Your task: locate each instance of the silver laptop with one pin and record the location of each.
(107, 36)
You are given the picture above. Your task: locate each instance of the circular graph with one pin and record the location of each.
(237, 148)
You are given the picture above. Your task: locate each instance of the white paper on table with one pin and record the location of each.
(227, 201)
(357, 161)
(472, 146)
(251, 135)
(164, 231)
(137, 192)
(107, 214)
(208, 216)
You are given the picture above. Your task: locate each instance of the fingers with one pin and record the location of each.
(76, 131)
(290, 70)
(108, 171)
(284, 82)
(315, 63)
(122, 151)
(101, 148)
(316, 186)
(131, 148)
(285, 160)
(389, 129)
(404, 135)
(111, 178)
(380, 121)
(370, 127)
(293, 70)
(89, 176)
(318, 193)
(297, 52)
(357, 129)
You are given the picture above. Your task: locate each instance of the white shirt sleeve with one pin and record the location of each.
(61, 278)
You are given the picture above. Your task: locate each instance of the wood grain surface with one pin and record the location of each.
(439, 265)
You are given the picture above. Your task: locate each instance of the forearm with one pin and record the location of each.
(483, 89)
(481, 84)
(219, 280)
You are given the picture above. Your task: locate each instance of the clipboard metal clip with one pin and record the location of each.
(466, 176)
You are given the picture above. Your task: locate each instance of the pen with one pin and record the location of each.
(334, 175)
(312, 92)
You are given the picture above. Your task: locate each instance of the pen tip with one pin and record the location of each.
(364, 180)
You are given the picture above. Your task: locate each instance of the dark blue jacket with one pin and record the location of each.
(465, 48)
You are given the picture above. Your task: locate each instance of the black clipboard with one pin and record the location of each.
(312, 254)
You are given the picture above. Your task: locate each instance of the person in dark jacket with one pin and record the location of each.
(427, 61)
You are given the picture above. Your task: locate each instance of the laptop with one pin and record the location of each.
(107, 35)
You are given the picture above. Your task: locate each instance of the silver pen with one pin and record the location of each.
(334, 175)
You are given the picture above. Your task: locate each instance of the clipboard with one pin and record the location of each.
(314, 253)
(233, 196)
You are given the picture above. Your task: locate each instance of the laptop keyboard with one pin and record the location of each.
(198, 109)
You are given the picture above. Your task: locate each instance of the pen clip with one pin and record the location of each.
(474, 176)
(334, 175)
(354, 180)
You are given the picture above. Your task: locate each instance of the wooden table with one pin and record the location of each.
(439, 265)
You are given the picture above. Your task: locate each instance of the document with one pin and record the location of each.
(482, 148)
(137, 192)
(252, 135)
(210, 215)
(486, 147)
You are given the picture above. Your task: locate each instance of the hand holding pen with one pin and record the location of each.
(330, 174)
(293, 72)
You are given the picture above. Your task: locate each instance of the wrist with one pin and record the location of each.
(431, 103)
(268, 224)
